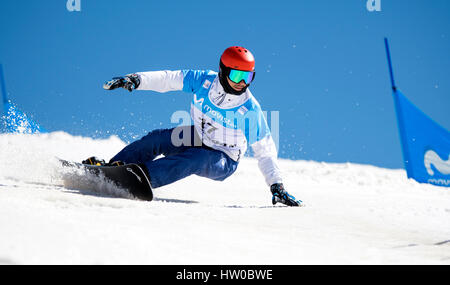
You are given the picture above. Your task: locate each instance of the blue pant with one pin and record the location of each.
(178, 161)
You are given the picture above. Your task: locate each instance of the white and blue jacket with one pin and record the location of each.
(225, 122)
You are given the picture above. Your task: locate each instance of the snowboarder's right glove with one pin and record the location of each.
(129, 82)
(280, 195)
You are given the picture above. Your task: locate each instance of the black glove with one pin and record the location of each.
(280, 195)
(129, 82)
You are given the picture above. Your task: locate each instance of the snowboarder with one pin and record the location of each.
(226, 118)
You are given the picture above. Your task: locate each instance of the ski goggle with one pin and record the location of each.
(238, 75)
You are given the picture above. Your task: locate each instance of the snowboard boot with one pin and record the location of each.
(94, 161)
(101, 162)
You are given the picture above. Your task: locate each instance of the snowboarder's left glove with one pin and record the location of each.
(129, 82)
(280, 195)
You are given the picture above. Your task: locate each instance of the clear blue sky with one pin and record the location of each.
(320, 63)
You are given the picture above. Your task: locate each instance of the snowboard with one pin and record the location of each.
(129, 177)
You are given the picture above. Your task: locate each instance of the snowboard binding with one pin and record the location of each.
(100, 162)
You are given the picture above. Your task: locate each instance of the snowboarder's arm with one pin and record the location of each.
(187, 80)
(266, 153)
(161, 81)
(260, 139)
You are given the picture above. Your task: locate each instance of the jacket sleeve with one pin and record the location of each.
(161, 81)
(266, 153)
(262, 144)
(187, 80)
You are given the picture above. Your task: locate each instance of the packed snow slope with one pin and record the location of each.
(354, 214)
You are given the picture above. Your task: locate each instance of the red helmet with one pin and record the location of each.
(238, 58)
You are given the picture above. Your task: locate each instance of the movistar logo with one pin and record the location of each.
(432, 158)
(228, 119)
(219, 116)
(199, 101)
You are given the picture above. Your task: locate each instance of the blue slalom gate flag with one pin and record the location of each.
(425, 144)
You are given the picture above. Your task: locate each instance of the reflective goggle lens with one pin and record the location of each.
(238, 75)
